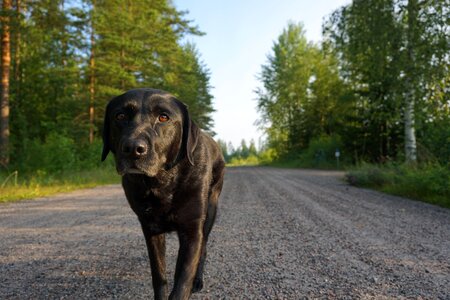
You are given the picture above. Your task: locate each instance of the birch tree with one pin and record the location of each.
(394, 56)
(410, 72)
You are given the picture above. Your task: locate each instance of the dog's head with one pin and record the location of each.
(148, 130)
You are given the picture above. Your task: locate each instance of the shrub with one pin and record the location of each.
(430, 183)
(89, 156)
(59, 154)
(319, 154)
(267, 156)
(56, 154)
(251, 160)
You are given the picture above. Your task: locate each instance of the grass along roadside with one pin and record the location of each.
(41, 184)
(428, 183)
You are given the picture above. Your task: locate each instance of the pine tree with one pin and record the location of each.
(4, 97)
(191, 84)
(70, 58)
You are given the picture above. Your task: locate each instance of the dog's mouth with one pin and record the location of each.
(123, 170)
(134, 171)
(125, 167)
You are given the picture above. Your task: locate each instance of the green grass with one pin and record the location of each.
(252, 160)
(429, 183)
(301, 163)
(40, 184)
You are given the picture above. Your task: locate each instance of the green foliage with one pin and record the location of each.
(369, 48)
(132, 44)
(430, 183)
(135, 44)
(56, 154)
(435, 139)
(45, 88)
(302, 97)
(376, 59)
(285, 81)
(59, 154)
(191, 85)
(138, 44)
(392, 53)
(243, 150)
(351, 92)
(56, 165)
(267, 156)
(321, 153)
(245, 155)
(251, 160)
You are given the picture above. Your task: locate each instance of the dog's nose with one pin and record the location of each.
(136, 148)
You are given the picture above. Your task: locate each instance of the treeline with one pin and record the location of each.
(377, 87)
(241, 155)
(68, 58)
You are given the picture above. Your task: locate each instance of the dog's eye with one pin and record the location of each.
(120, 117)
(163, 118)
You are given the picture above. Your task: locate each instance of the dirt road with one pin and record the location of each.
(280, 234)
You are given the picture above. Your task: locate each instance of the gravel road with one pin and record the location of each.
(280, 234)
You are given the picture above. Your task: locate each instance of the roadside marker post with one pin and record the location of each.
(337, 154)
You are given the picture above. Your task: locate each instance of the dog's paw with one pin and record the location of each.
(198, 285)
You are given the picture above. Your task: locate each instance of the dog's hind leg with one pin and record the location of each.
(209, 222)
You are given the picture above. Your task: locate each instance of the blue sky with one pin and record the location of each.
(239, 36)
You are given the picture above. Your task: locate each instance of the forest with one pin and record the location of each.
(64, 60)
(373, 97)
(376, 89)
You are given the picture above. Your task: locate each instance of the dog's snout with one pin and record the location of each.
(134, 148)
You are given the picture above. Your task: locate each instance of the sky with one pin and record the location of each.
(239, 34)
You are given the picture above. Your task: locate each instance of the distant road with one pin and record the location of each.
(280, 234)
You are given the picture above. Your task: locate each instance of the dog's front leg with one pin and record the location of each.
(188, 258)
(156, 246)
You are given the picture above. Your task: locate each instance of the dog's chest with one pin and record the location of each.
(157, 212)
(160, 195)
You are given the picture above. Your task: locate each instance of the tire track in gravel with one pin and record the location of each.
(329, 248)
(280, 234)
(374, 243)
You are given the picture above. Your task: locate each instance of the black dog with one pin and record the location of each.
(172, 174)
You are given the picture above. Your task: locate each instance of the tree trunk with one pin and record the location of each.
(4, 101)
(91, 95)
(410, 134)
(92, 80)
(122, 66)
(18, 48)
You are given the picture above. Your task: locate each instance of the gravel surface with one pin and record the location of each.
(280, 234)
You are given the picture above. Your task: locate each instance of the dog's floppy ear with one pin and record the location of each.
(106, 134)
(190, 134)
